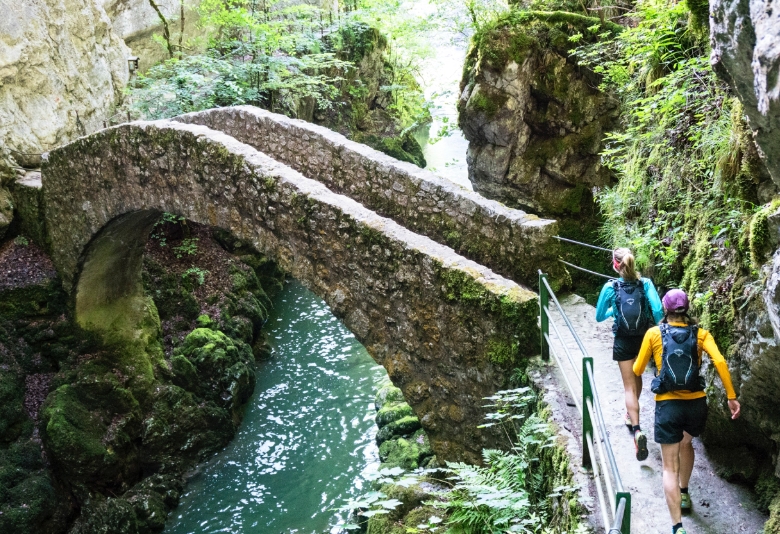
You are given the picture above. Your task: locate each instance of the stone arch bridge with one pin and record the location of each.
(384, 243)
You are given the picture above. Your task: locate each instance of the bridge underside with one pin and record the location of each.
(446, 328)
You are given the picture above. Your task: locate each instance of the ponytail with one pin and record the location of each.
(625, 264)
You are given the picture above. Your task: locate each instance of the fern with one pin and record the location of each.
(518, 490)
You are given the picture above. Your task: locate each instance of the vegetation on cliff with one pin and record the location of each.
(300, 60)
(692, 197)
(690, 189)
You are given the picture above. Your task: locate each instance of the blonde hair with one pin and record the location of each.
(627, 267)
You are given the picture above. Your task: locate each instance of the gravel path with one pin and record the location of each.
(719, 507)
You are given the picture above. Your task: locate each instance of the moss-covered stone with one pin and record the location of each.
(391, 412)
(222, 365)
(180, 429)
(402, 427)
(89, 430)
(386, 394)
(408, 453)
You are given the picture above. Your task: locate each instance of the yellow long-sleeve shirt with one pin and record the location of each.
(652, 346)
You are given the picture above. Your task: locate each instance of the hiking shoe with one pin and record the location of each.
(685, 503)
(681, 531)
(628, 421)
(640, 443)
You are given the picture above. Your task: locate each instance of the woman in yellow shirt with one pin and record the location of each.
(681, 404)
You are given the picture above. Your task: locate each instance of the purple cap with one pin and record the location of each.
(675, 300)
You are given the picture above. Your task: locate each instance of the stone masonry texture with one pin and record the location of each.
(446, 329)
(509, 241)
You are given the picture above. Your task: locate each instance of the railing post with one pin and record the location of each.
(587, 423)
(544, 303)
(625, 526)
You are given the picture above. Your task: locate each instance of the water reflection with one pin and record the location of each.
(307, 441)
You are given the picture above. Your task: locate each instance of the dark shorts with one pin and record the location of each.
(626, 348)
(672, 417)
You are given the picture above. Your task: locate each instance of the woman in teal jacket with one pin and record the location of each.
(632, 319)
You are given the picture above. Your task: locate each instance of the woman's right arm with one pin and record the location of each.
(604, 305)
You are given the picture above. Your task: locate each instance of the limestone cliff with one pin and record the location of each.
(533, 118)
(62, 69)
(136, 22)
(745, 39)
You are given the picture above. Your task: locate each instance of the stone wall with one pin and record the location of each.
(445, 328)
(509, 241)
(62, 68)
(745, 39)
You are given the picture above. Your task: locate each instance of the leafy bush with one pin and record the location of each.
(687, 175)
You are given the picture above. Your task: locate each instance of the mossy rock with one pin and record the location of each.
(179, 430)
(90, 431)
(411, 512)
(27, 496)
(403, 427)
(46, 298)
(152, 499)
(408, 454)
(170, 296)
(12, 415)
(388, 393)
(391, 412)
(107, 516)
(222, 366)
(403, 147)
(515, 34)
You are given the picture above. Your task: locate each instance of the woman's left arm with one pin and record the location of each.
(654, 300)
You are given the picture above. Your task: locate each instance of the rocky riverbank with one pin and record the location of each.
(97, 437)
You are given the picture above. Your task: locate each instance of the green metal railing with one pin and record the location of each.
(614, 501)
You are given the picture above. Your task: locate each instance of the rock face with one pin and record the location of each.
(533, 118)
(445, 328)
(136, 22)
(745, 39)
(754, 362)
(62, 69)
(6, 211)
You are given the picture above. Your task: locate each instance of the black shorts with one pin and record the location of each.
(626, 348)
(672, 417)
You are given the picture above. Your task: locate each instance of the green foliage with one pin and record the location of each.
(198, 273)
(188, 247)
(686, 187)
(512, 35)
(526, 489)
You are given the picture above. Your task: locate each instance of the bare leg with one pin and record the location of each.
(638, 384)
(671, 459)
(630, 388)
(687, 456)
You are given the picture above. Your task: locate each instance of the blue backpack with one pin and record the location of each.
(680, 360)
(631, 310)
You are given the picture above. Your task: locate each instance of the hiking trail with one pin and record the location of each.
(719, 507)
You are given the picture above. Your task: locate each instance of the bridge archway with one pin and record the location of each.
(445, 328)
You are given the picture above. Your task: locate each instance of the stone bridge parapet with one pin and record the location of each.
(511, 242)
(446, 328)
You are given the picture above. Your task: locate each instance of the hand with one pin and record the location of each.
(735, 408)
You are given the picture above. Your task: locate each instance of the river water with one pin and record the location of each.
(307, 442)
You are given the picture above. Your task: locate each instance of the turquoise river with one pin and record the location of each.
(307, 442)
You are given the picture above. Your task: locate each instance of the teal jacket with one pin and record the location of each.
(605, 306)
